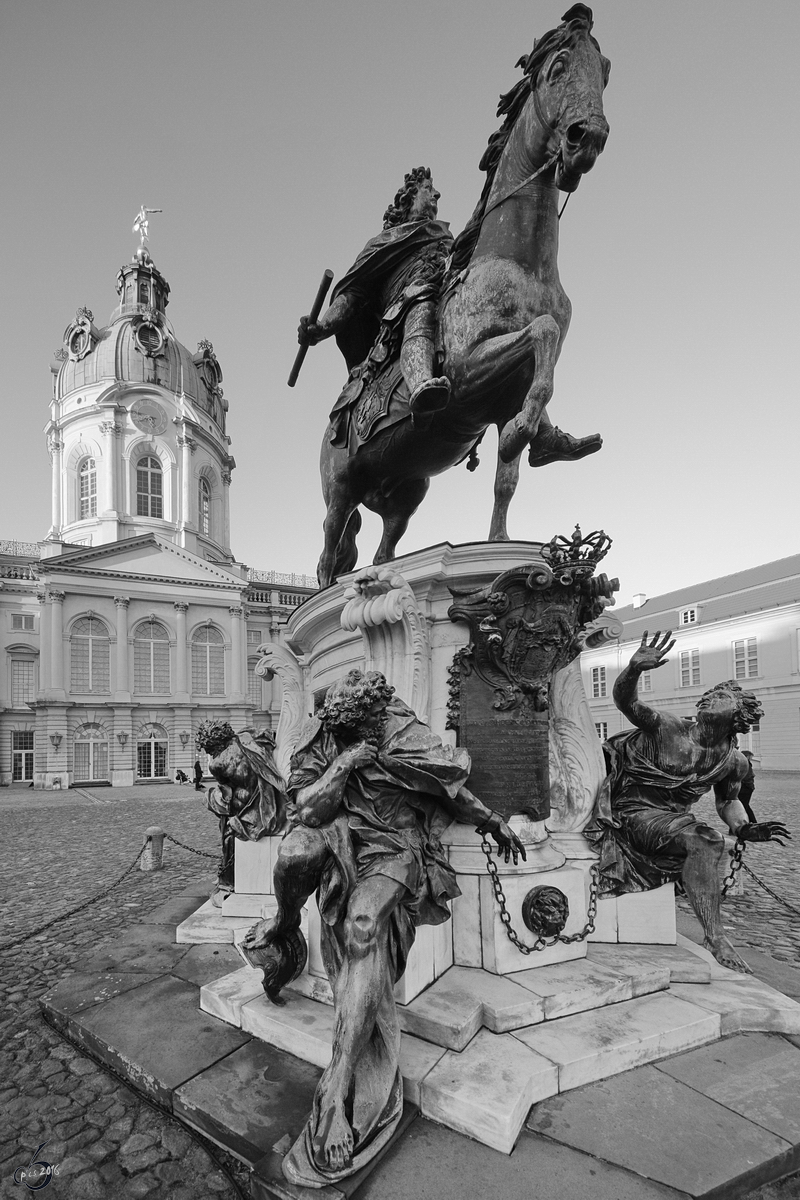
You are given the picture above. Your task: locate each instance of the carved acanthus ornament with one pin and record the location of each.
(277, 660)
(381, 604)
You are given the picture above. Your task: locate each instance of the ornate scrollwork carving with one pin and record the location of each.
(277, 660)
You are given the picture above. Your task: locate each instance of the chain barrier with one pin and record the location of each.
(541, 943)
(737, 854)
(191, 849)
(79, 907)
(768, 889)
(93, 900)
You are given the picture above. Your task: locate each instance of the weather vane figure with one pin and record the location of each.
(142, 224)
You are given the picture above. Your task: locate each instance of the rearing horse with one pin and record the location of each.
(503, 315)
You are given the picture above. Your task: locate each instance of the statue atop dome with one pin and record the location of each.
(141, 226)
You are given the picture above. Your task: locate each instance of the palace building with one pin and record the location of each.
(132, 621)
(744, 626)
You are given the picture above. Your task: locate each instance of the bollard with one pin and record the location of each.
(154, 849)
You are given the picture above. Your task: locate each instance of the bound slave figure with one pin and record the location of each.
(371, 790)
(643, 827)
(383, 313)
(250, 796)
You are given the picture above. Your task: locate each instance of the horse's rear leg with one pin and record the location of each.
(521, 429)
(396, 511)
(505, 485)
(339, 553)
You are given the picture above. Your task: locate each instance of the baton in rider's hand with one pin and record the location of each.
(316, 309)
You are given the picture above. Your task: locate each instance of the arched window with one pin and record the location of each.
(91, 754)
(149, 488)
(151, 658)
(87, 489)
(254, 685)
(152, 752)
(89, 656)
(208, 662)
(204, 506)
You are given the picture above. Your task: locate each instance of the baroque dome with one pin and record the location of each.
(138, 346)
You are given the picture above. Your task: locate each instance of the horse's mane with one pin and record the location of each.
(510, 106)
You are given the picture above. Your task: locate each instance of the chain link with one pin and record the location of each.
(541, 943)
(737, 854)
(191, 849)
(78, 908)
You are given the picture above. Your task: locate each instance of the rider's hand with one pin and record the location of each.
(309, 332)
(763, 831)
(360, 755)
(650, 655)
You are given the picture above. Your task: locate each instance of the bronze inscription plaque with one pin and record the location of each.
(509, 751)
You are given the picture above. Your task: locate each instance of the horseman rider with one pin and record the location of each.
(384, 310)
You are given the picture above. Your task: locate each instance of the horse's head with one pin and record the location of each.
(568, 73)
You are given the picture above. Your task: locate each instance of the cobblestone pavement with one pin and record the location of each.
(105, 1140)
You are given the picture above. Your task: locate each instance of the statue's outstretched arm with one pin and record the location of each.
(647, 657)
(469, 810)
(335, 318)
(731, 810)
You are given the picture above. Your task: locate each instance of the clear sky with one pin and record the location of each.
(273, 133)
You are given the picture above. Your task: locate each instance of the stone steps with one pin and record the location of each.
(478, 1049)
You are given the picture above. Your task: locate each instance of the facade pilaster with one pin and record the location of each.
(57, 643)
(187, 446)
(56, 447)
(226, 509)
(123, 691)
(110, 431)
(237, 652)
(181, 671)
(45, 643)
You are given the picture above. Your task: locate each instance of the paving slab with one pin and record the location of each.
(225, 996)
(203, 964)
(147, 948)
(156, 1035)
(744, 1003)
(603, 1042)
(250, 1100)
(448, 1012)
(674, 963)
(207, 924)
(82, 990)
(574, 987)
(172, 912)
(753, 1074)
(664, 1130)
(434, 1163)
(487, 1089)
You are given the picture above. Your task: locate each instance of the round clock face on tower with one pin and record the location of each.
(148, 416)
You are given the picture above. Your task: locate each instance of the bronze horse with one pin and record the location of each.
(503, 315)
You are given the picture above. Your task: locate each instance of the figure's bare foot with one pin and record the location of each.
(339, 1142)
(220, 894)
(260, 934)
(726, 955)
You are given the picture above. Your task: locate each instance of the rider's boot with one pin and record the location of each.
(429, 393)
(551, 444)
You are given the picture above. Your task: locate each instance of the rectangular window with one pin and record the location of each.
(23, 684)
(90, 669)
(151, 667)
(22, 756)
(646, 681)
(208, 669)
(255, 637)
(690, 668)
(22, 621)
(598, 682)
(687, 616)
(602, 729)
(254, 686)
(745, 659)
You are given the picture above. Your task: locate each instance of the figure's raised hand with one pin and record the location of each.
(309, 332)
(764, 831)
(650, 655)
(359, 755)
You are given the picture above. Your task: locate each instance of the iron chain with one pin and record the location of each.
(80, 907)
(737, 854)
(541, 943)
(191, 849)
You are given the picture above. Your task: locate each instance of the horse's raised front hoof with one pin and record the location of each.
(553, 445)
(513, 440)
(431, 396)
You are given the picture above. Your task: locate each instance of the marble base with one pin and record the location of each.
(637, 918)
(498, 953)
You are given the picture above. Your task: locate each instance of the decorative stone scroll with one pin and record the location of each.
(382, 605)
(514, 699)
(277, 660)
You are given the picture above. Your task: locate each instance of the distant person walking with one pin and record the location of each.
(748, 786)
(198, 777)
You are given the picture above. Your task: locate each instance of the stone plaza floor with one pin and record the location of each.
(106, 1140)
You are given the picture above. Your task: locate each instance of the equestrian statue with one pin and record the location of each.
(444, 338)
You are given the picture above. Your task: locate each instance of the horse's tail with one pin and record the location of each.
(347, 551)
